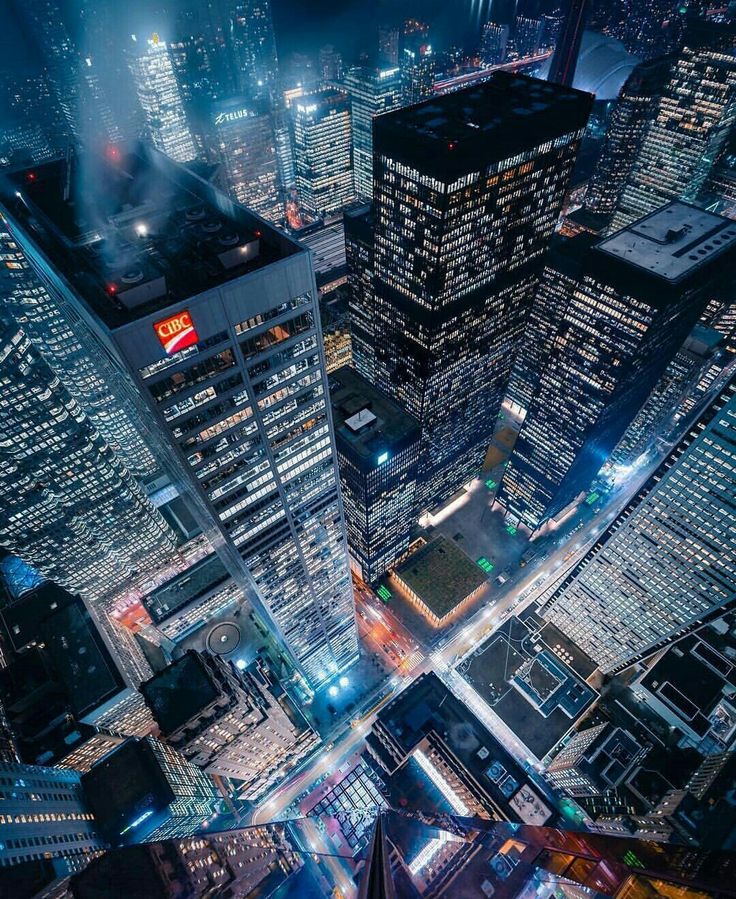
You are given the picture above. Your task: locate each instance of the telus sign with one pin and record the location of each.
(222, 118)
(176, 332)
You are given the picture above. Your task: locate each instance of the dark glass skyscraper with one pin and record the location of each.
(468, 188)
(565, 59)
(641, 292)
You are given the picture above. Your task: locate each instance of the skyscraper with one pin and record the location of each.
(567, 48)
(666, 563)
(255, 49)
(45, 814)
(228, 722)
(388, 45)
(691, 125)
(378, 451)
(632, 115)
(372, 92)
(245, 143)
(72, 509)
(359, 257)
(641, 292)
(233, 389)
(55, 329)
(465, 204)
(560, 276)
(146, 790)
(527, 35)
(494, 41)
(663, 407)
(323, 154)
(417, 61)
(160, 98)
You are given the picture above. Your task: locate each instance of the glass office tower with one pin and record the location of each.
(640, 293)
(160, 98)
(468, 188)
(70, 507)
(211, 315)
(666, 563)
(372, 92)
(323, 151)
(690, 125)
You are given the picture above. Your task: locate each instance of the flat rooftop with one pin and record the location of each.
(493, 120)
(179, 692)
(185, 588)
(673, 242)
(133, 232)
(441, 575)
(367, 421)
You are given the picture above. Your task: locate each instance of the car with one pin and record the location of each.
(501, 579)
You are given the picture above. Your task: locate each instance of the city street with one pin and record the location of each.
(382, 627)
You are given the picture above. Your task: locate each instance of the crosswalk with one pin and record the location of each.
(414, 660)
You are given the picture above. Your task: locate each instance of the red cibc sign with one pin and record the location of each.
(176, 333)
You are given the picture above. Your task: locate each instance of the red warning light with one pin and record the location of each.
(113, 153)
(31, 176)
(257, 233)
(112, 289)
(451, 145)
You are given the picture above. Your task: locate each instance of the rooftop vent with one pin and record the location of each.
(132, 277)
(229, 239)
(196, 214)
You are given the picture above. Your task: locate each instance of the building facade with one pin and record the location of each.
(323, 151)
(667, 560)
(72, 509)
(378, 452)
(245, 143)
(54, 329)
(634, 112)
(641, 292)
(372, 92)
(255, 49)
(567, 47)
(465, 205)
(690, 127)
(160, 98)
(146, 790)
(494, 41)
(217, 333)
(228, 721)
(43, 814)
(417, 61)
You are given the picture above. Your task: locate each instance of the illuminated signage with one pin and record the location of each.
(222, 118)
(176, 332)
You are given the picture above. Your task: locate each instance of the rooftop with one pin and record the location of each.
(530, 682)
(195, 582)
(367, 421)
(690, 678)
(124, 788)
(428, 706)
(132, 232)
(179, 692)
(492, 120)
(441, 575)
(673, 242)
